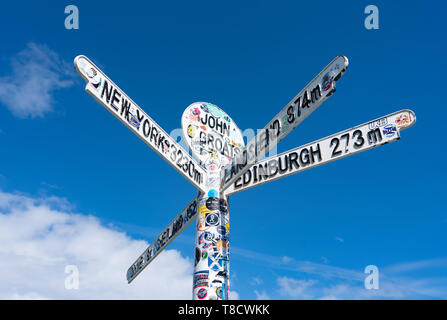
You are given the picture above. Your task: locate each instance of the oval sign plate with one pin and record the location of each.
(212, 135)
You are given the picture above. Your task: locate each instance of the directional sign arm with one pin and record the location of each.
(109, 95)
(337, 146)
(299, 108)
(176, 227)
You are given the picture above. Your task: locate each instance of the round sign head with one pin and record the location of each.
(212, 135)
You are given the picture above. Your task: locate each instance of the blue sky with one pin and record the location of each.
(306, 236)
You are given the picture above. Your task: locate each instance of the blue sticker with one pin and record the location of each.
(389, 130)
(213, 193)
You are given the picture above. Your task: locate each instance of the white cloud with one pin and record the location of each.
(36, 72)
(38, 239)
(295, 289)
(262, 295)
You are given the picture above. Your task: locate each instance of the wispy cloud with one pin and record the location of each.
(341, 240)
(36, 72)
(262, 295)
(323, 281)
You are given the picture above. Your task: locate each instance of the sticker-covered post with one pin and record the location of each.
(212, 254)
(215, 141)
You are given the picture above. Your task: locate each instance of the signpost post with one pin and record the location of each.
(226, 166)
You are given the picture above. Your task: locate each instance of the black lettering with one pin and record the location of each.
(218, 144)
(273, 168)
(154, 136)
(219, 125)
(174, 153)
(115, 98)
(125, 107)
(105, 89)
(293, 156)
(206, 119)
(213, 125)
(282, 168)
(374, 136)
(306, 100)
(335, 152)
(160, 140)
(297, 102)
(263, 172)
(246, 177)
(290, 114)
(255, 174)
(276, 125)
(146, 128)
(359, 139)
(315, 152)
(197, 176)
(304, 157)
(226, 129)
(315, 93)
(238, 183)
(139, 116)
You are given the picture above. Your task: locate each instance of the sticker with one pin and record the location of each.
(222, 230)
(326, 82)
(212, 219)
(403, 120)
(208, 236)
(213, 193)
(191, 131)
(389, 130)
(221, 244)
(219, 292)
(214, 264)
(196, 256)
(201, 279)
(213, 203)
(223, 206)
(222, 274)
(204, 108)
(201, 294)
(203, 210)
(133, 121)
(204, 255)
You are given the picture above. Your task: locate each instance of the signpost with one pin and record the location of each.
(337, 146)
(226, 166)
(111, 97)
(298, 109)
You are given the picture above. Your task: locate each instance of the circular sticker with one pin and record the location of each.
(201, 294)
(212, 219)
(191, 131)
(211, 134)
(212, 203)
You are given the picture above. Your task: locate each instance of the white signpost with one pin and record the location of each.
(226, 166)
(107, 93)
